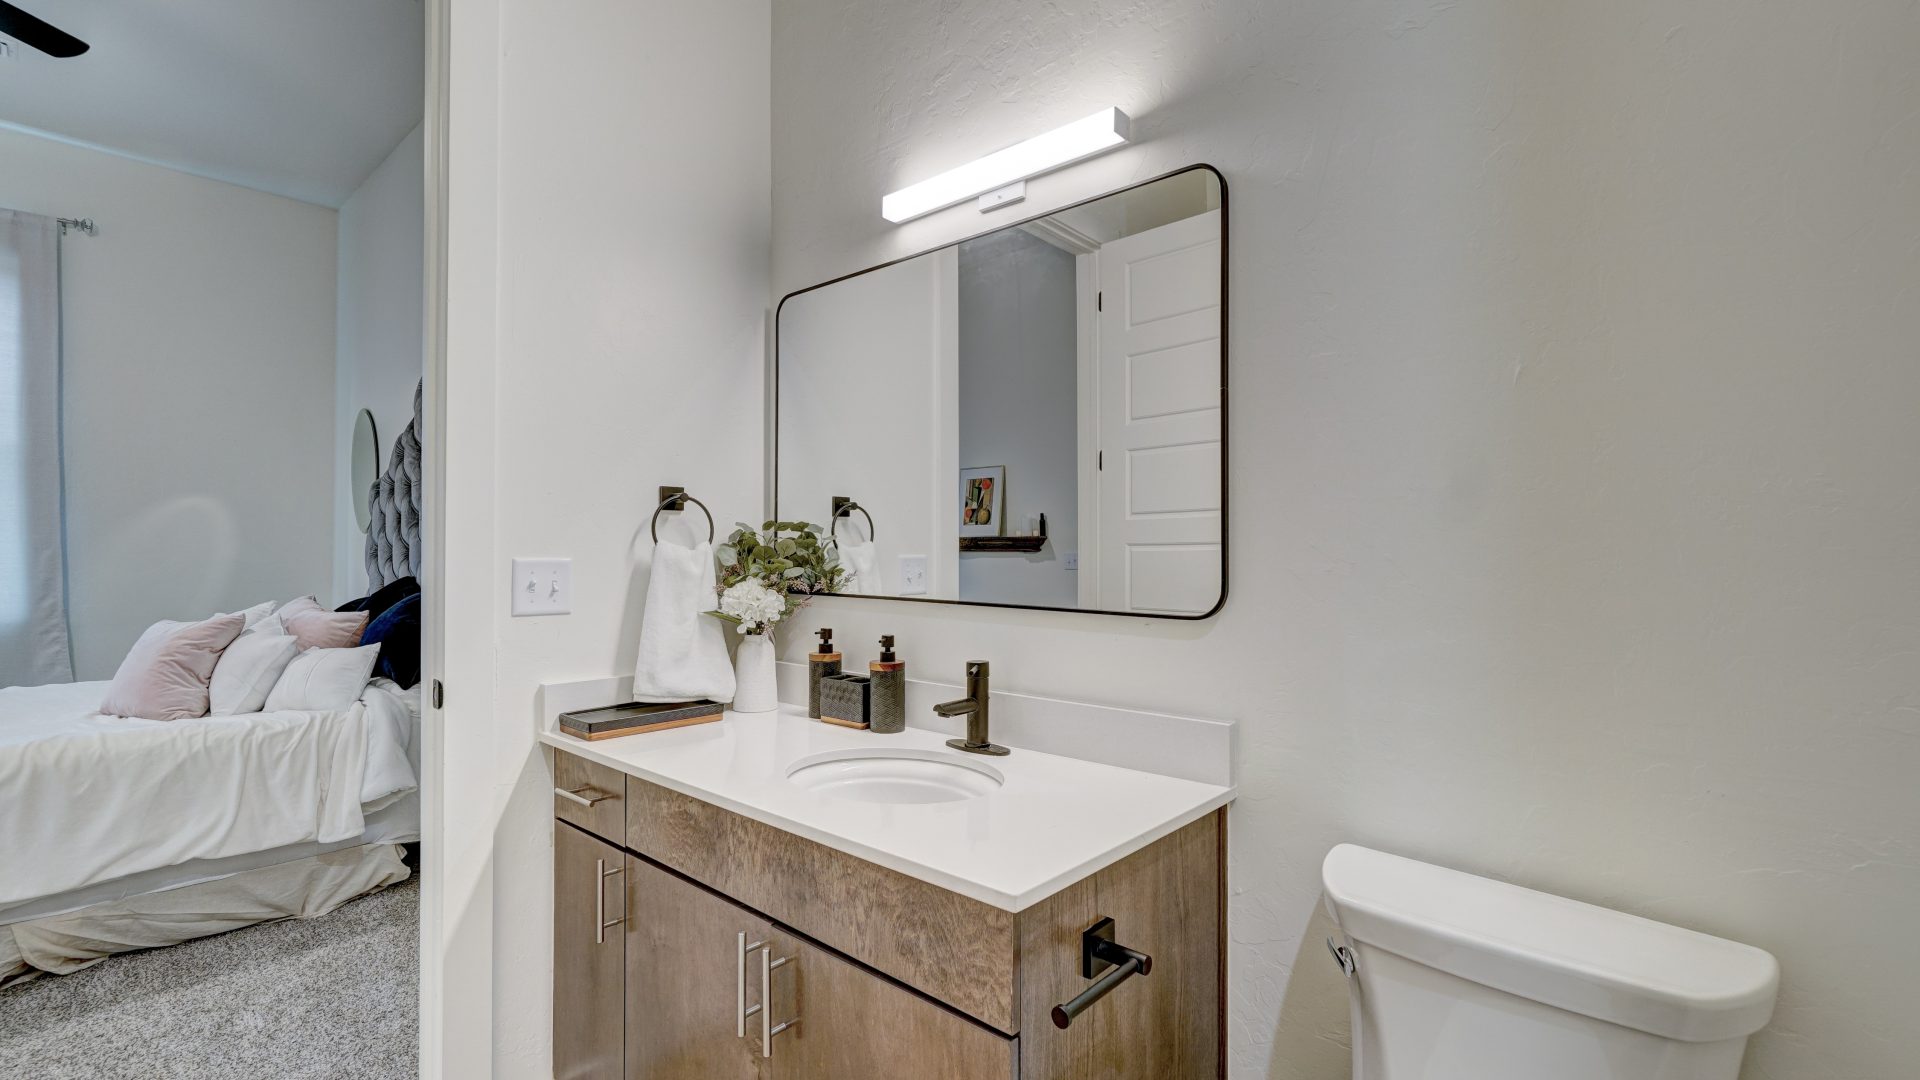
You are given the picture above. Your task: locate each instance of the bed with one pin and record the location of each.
(125, 834)
(119, 834)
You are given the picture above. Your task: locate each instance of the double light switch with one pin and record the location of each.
(542, 586)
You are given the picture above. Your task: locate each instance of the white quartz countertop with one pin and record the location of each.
(1053, 821)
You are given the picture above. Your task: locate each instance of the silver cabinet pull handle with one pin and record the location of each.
(768, 1029)
(740, 1010)
(586, 796)
(600, 920)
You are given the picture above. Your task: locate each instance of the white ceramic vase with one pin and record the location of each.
(754, 686)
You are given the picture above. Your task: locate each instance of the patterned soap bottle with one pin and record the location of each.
(889, 702)
(820, 664)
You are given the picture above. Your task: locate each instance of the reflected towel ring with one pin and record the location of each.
(673, 498)
(842, 506)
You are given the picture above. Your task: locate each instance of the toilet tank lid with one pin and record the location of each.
(1656, 978)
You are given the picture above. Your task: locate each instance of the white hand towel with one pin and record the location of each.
(683, 653)
(863, 568)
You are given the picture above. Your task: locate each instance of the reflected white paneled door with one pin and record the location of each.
(1158, 549)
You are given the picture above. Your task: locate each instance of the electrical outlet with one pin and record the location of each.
(1072, 559)
(913, 575)
(542, 586)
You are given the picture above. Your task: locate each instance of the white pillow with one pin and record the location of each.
(255, 613)
(274, 621)
(324, 679)
(248, 671)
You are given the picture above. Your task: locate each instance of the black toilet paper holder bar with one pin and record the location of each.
(1103, 958)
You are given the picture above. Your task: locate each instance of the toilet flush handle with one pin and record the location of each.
(1342, 956)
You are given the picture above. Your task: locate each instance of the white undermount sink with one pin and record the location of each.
(898, 776)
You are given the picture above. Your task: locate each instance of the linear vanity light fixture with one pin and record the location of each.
(1077, 141)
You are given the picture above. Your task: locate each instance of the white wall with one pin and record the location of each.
(1572, 351)
(198, 386)
(378, 335)
(607, 320)
(1020, 407)
(868, 407)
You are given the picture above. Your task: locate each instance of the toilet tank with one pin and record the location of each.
(1457, 977)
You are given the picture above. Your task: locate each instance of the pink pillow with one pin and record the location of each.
(318, 628)
(164, 676)
(297, 605)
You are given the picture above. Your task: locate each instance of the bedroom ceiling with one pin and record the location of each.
(297, 97)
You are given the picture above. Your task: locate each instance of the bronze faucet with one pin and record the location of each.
(974, 708)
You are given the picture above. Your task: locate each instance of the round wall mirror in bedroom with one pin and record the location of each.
(366, 466)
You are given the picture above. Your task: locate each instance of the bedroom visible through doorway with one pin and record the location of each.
(212, 494)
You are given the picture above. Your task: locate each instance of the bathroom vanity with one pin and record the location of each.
(769, 896)
(1034, 417)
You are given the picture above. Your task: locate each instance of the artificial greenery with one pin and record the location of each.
(791, 558)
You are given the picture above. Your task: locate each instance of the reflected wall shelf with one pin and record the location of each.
(1028, 544)
(1025, 544)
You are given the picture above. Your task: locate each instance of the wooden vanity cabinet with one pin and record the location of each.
(589, 957)
(692, 974)
(848, 1022)
(699, 966)
(870, 975)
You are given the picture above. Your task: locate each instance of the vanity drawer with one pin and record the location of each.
(589, 795)
(949, 947)
(847, 1023)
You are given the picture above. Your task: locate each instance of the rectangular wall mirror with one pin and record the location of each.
(1035, 417)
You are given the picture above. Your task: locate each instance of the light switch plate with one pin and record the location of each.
(542, 586)
(913, 575)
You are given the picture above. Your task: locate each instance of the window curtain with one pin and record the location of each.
(34, 641)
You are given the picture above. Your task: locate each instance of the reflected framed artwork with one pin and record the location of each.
(983, 500)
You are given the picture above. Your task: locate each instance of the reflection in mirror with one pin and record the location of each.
(1033, 417)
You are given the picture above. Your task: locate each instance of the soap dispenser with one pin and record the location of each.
(821, 663)
(889, 679)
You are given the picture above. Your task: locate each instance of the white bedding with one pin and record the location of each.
(86, 798)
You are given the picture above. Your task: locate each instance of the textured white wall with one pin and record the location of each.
(1573, 493)
(198, 386)
(607, 315)
(378, 336)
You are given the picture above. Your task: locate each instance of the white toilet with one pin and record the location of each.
(1456, 977)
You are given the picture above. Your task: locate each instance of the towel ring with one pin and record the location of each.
(672, 498)
(845, 506)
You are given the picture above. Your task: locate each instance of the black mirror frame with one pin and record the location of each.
(1225, 442)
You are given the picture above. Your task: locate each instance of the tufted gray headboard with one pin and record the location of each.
(393, 533)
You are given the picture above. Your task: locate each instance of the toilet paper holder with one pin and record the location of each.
(1106, 959)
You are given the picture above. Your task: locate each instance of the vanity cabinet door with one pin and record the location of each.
(693, 981)
(845, 1023)
(589, 957)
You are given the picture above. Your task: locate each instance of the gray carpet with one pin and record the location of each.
(332, 998)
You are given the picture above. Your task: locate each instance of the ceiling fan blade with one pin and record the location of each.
(29, 31)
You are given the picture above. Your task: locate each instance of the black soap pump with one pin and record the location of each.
(821, 663)
(889, 678)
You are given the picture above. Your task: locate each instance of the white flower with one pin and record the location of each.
(756, 606)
